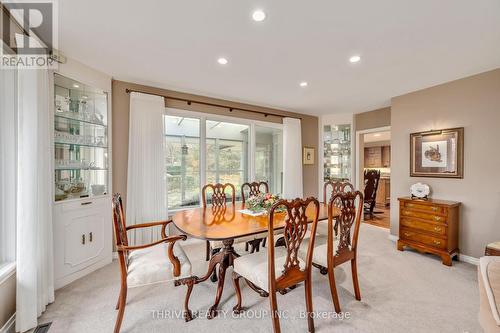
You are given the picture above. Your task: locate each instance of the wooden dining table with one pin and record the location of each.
(225, 224)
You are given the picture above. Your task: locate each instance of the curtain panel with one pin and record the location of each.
(292, 159)
(34, 249)
(146, 176)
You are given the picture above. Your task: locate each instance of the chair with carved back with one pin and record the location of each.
(281, 267)
(140, 265)
(371, 179)
(219, 198)
(248, 190)
(329, 253)
(336, 187)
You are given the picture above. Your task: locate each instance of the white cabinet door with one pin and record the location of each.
(82, 238)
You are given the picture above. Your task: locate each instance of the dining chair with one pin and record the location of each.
(281, 267)
(371, 179)
(336, 187)
(218, 199)
(248, 190)
(141, 265)
(329, 254)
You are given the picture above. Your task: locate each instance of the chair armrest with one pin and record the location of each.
(170, 252)
(151, 224)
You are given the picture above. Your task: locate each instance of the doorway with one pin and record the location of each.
(373, 150)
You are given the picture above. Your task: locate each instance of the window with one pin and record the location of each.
(226, 154)
(269, 157)
(183, 161)
(203, 149)
(8, 133)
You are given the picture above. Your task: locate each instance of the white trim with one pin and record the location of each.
(358, 153)
(6, 271)
(393, 238)
(468, 259)
(10, 325)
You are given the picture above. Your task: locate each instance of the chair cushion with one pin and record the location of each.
(254, 267)
(152, 265)
(489, 269)
(494, 246)
(319, 253)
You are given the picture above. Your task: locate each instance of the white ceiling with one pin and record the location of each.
(405, 45)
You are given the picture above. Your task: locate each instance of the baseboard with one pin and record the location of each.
(468, 259)
(393, 238)
(65, 280)
(10, 325)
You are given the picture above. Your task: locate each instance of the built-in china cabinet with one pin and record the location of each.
(82, 151)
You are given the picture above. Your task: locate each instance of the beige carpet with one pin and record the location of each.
(401, 292)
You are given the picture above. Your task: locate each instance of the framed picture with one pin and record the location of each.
(308, 155)
(437, 153)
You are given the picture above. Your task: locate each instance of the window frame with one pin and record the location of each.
(203, 117)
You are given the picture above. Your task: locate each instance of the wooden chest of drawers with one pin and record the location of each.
(429, 226)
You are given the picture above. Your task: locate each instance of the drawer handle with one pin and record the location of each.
(438, 229)
(83, 239)
(406, 212)
(437, 218)
(437, 242)
(409, 205)
(407, 234)
(434, 208)
(86, 203)
(90, 237)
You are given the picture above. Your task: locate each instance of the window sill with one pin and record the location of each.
(7, 270)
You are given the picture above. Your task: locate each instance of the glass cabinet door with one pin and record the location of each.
(337, 152)
(80, 140)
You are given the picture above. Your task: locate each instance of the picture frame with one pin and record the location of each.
(308, 155)
(437, 153)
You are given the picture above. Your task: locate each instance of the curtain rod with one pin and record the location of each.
(230, 108)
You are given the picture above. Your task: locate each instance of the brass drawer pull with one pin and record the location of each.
(437, 218)
(438, 229)
(436, 242)
(407, 234)
(434, 208)
(83, 239)
(90, 237)
(409, 205)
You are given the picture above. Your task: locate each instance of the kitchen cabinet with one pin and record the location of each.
(383, 197)
(378, 157)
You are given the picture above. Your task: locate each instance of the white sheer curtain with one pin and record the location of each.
(35, 269)
(292, 159)
(146, 179)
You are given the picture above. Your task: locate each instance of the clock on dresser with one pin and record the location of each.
(429, 226)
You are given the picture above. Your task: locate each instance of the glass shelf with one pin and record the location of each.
(337, 152)
(80, 140)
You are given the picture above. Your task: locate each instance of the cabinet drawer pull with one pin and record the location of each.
(90, 237)
(407, 234)
(437, 218)
(86, 203)
(409, 205)
(83, 239)
(436, 242)
(438, 229)
(434, 208)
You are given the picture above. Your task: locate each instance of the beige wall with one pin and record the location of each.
(373, 119)
(121, 106)
(473, 103)
(7, 299)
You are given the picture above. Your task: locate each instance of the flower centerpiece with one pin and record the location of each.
(263, 202)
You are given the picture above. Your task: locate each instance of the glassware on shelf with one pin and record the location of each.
(80, 139)
(337, 152)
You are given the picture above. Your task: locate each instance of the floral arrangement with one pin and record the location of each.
(262, 202)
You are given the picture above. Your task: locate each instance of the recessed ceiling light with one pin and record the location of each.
(303, 84)
(75, 85)
(377, 135)
(259, 16)
(222, 61)
(355, 58)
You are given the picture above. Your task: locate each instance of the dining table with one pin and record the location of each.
(227, 223)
